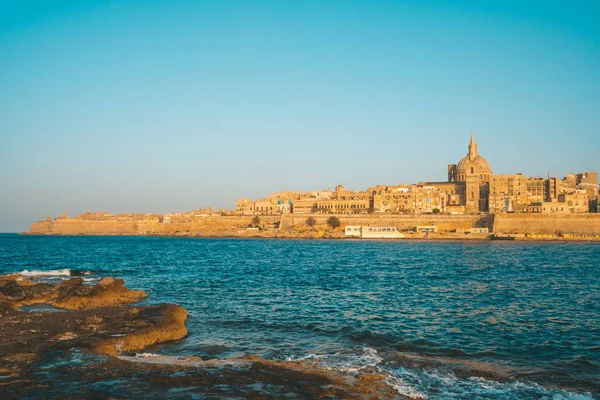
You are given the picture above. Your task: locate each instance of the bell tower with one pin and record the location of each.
(473, 193)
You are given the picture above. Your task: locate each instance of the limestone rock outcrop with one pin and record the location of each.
(72, 294)
(98, 318)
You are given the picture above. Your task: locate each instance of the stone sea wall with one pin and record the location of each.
(548, 224)
(209, 226)
(444, 222)
(294, 225)
(237, 225)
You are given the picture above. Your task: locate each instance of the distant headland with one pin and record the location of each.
(472, 204)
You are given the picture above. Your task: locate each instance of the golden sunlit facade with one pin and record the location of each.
(471, 188)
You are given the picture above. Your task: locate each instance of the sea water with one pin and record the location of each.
(489, 320)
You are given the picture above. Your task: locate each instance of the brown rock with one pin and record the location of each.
(169, 325)
(108, 281)
(72, 294)
(97, 312)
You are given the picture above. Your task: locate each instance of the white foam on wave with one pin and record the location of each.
(55, 272)
(355, 361)
(84, 279)
(446, 385)
(404, 388)
(151, 358)
(309, 356)
(351, 362)
(63, 274)
(144, 355)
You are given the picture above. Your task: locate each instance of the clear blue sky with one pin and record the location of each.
(162, 106)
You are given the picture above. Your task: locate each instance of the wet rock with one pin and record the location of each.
(248, 378)
(106, 292)
(169, 324)
(96, 312)
(109, 281)
(6, 306)
(17, 291)
(99, 320)
(21, 357)
(66, 336)
(72, 287)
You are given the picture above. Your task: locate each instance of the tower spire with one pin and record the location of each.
(472, 148)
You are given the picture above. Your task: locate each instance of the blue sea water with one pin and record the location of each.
(446, 320)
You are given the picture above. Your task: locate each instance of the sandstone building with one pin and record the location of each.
(470, 188)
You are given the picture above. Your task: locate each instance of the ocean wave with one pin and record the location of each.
(446, 385)
(405, 389)
(84, 279)
(362, 358)
(459, 366)
(354, 362)
(429, 380)
(54, 272)
(151, 358)
(309, 356)
(145, 355)
(358, 359)
(197, 362)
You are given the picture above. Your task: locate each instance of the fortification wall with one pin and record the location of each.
(547, 224)
(222, 225)
(41, 227)
(236, 225)
(444, 222)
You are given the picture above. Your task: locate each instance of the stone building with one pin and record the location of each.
(348, 206)
(508, 193)
(452, 198)
(588, 181)
(244, 206)
(276, 203)
(536, 189)
(568, 203)
(594, 204)
(393, 199)
(341, 201)
(425, 197)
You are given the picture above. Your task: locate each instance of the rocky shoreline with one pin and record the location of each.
(100, 321)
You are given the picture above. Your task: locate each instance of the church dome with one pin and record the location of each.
(473, 164)
(479, 163)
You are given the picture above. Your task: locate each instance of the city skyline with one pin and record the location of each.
(471, 187)
(171, 106)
